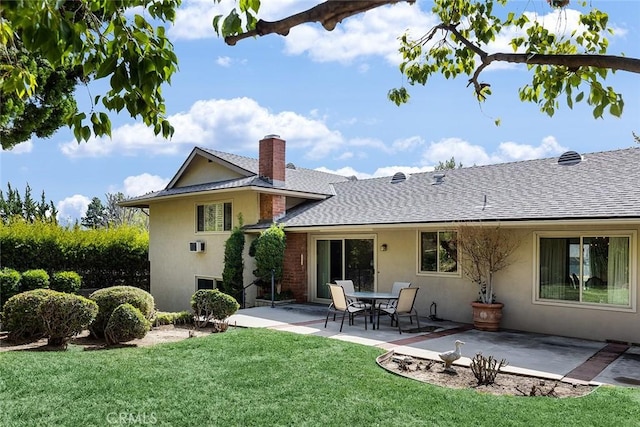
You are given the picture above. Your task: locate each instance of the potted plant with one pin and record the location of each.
(486, 250)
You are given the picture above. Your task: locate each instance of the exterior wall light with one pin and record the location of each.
(383, 247)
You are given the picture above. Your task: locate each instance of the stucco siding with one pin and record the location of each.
(201, 171)
(173, 268)
(515, 286)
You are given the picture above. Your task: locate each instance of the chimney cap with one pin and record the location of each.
(271, 135)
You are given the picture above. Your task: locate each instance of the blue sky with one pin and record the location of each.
(325, 94)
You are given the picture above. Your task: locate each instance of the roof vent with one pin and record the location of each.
(569, 158)
(352, 178)
(291, 166)
(398, 177)
(438, 178)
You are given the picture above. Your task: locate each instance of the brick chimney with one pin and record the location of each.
(271, 168)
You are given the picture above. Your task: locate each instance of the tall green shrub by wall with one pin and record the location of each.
(103, 257)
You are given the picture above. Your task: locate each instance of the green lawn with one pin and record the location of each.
(256, 377)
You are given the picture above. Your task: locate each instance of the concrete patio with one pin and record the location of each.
(546, 356)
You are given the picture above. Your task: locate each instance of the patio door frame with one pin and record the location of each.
(313, 258)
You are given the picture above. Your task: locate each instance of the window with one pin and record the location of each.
(205, 283)
(438, 252)
(586, 269)
(214, 217)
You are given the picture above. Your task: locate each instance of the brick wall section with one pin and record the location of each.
(271, 163)
(294, 272)
(271, 206)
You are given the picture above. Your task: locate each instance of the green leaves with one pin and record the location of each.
(100, 40)
(460, 45)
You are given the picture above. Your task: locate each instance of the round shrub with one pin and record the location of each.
(20, 316)
(65, 315)
(34, 279)
(208, 304)
(66, 281)
(125, 324)
(108, 299)
(9, 284)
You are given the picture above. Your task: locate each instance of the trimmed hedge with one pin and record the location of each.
(172, 318)
(66, 281)
(109, 299)
(34, 279)
(103, 257)
(20, 316)
(211, 304)
(125, 324)
(9, 284)
(65, 315)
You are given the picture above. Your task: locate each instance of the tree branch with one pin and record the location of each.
(329, 14)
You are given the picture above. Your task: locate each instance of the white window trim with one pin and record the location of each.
(633, 266)
(419, 254)
(212, 202)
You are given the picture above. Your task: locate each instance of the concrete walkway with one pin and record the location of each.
(546, 356)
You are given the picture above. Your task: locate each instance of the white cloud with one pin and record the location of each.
(407, 144)
(142, 184)
(373, 33)
(226, 124)
(469, 154)
(22, 148)
(380, 172)
(194, 17)
(223, 61)
(72, 208)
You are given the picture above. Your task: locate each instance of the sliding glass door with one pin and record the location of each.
(339, 259)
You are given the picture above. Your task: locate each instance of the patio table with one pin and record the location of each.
(373, 297)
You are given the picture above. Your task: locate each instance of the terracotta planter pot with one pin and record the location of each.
(486, 317)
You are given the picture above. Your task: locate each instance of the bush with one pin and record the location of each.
(170, 318)
(269, 250)
(125, 324)
(34, 279)
(209, 304)
(233, 273)
(65, 315)
(103, 257)
(66, 281)
(20, 316)
(9, 284)
(108, 299)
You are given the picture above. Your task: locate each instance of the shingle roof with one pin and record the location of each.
(300, 180)
(602, 185)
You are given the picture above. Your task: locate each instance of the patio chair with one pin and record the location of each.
(339, 304)
(404, 308)
(395, 289)
(348, 287)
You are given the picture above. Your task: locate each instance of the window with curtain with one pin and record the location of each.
(438, 252)
(585, 269)
(213, 217)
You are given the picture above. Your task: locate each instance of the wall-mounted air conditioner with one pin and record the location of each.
(196, 246)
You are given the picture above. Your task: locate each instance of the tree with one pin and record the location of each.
(116, 215)
(233, 272)
(96, 216)
(49, 106)
(447, 165)
(95, 39)
(575, 66)
(13, 206)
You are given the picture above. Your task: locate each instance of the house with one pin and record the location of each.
(575, 272)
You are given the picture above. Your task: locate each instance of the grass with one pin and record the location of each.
(257, 377)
